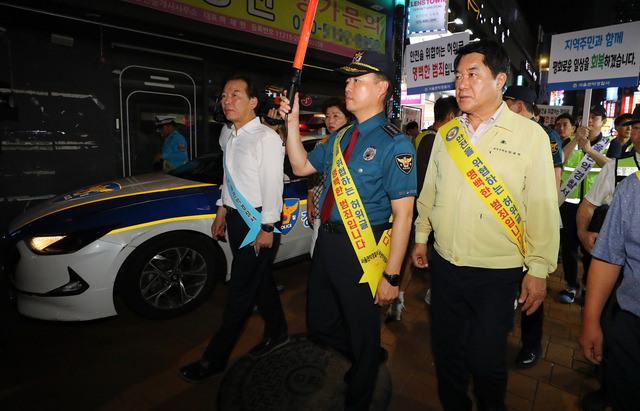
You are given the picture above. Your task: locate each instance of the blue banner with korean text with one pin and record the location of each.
(595, 58)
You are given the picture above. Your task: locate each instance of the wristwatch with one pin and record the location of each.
(267, 228)
(394, 279)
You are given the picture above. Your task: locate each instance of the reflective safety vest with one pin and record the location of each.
(574, 159)
(626, 166)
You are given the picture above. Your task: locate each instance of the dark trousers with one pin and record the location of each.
(251, 281)
(532, 329)
(341, 312)
(471, 315)
(570, 244)
(623, 362)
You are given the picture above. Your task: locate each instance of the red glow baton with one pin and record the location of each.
(305, 33)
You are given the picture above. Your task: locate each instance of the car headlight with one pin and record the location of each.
(66, 243)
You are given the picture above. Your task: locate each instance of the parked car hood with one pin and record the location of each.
(129, 186)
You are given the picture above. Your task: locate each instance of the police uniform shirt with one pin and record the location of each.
(254, 155)
(174, 149)
(556, 145)
(381, 166)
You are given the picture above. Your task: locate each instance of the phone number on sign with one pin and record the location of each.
(339, 35)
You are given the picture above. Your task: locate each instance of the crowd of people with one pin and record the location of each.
(480, 198)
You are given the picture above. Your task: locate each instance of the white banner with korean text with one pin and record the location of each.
(595, 58)
(429, 64)
(551, 113)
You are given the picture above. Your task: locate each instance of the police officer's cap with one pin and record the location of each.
(632, 121)
(164, 120)
(598, 110)
(366, 61)
(521, 93)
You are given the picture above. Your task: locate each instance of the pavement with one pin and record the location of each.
(129, 363)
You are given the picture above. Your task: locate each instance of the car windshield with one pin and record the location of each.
(209, 169)
(205, 169)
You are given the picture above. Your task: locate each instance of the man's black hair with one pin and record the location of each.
(443, 106)
(411, 125)
(252, 87)
(568, 117)
(494, 56)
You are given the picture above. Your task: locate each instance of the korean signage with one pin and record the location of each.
(551, 113)
(595, 58)
(427, 15)
(429, 64)
(339, 27)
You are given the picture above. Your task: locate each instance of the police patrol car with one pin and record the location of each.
(147, 237)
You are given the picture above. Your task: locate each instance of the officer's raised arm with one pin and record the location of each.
(295, 150)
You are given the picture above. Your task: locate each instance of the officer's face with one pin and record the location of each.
(236, 104)
(635, 136)
(624, 131)
(362, 93)
(165, 130)
(478, 93)
(564, 128)
(596, 122)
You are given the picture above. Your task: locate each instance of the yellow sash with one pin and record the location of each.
(372, 256)
(484, 182)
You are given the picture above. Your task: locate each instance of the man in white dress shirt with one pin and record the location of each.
(249, 208)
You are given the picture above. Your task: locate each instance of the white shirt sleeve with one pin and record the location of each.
(271, 176)
(601, 192)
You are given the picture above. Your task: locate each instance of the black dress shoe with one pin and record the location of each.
(595, 401)
(527, 358)
(268, 345)
(200, 371)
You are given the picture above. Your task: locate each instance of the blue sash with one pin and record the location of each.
(249, 214)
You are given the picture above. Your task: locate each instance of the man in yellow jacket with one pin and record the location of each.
(490, 198)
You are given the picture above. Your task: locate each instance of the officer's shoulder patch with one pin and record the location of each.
(390, 129)
(404, 162)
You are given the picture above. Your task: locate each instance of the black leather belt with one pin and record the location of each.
(339, 228)
(231, 211)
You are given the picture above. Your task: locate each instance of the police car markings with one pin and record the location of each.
(114, 197)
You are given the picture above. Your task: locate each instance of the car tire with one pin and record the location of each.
(169, 276)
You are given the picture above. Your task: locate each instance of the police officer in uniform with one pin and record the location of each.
(174, 147)
(341, 311)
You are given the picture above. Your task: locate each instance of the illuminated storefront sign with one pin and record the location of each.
(339, 27)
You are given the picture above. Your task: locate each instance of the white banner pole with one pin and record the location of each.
(586, 109)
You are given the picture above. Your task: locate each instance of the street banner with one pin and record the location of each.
(595, 58)
(429, 64)
(340, 27)
(551, 113)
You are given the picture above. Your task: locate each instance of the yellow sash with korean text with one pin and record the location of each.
(484, 182)
(372, 257)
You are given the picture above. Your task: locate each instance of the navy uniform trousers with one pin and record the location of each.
(472, 312)
(251, 281)
(341, 313)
